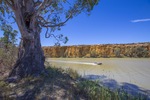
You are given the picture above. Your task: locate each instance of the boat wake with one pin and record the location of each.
(72, 62)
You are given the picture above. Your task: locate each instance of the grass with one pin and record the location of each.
(93, 91)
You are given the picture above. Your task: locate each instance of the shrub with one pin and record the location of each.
(117, 52)
(73, 73)
(93, 91)
(8, 57)
(93, 54)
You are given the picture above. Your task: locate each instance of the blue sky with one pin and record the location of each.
(111, 21)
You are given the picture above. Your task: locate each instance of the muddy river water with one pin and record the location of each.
(131, 73)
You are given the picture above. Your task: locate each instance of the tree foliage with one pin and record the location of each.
(50, 14)
(9, 35)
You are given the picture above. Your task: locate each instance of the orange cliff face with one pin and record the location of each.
(96, 51)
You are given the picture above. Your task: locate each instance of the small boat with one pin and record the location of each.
(97, 63)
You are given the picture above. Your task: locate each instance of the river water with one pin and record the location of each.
(128, 73)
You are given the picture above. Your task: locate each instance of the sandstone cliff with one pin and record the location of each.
(107, 50)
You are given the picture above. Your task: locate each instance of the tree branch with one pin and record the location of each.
(58, 38)
(45, 24)
(42, 5)
(37, 3)
(47, 35)
(10, 3)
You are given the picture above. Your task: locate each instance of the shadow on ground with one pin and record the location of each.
(55, 86)
(113, 85)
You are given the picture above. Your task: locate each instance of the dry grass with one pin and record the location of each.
(8, 57)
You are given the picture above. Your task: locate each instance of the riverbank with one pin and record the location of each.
(134, 50)
(60, 84)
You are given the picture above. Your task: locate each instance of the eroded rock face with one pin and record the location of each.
(107, 50)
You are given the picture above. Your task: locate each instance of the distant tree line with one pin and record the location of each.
(99, 51)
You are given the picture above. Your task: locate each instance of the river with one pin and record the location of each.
(128, 73)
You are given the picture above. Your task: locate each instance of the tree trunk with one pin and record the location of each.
(30, 58)
(30, 55)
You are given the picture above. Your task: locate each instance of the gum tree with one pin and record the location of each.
(31, 17)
